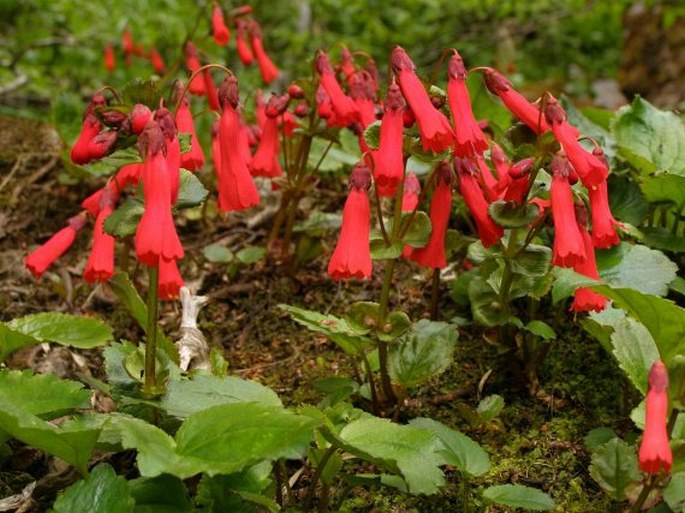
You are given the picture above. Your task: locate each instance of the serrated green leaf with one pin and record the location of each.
(372, 135)
(510, 214)
(665, 188)
(161, 494)
(223, 493)
(415, 454)
(11, 340)
(216, 253)
(519, 496)
(674, 493)
(485, 304)
(534, 260)
(102, 492)
(147, 92)
(191, 192)
(614, 466)
(123, 222)
(635, 351)
(662, 238)
(638, 267)
(43, 395)
(652, 140)
(626, 200)
(396, 325)
(422, 353)
(598, 437)
(419, 232)
(459, 450)
(381, 251)
(188, 396)
(566, 281)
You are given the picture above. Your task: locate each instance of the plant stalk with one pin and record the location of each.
(150, 383)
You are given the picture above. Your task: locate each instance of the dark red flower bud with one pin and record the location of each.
(140, 115)
(521, 168)
(277, 105)
(166, 122)
(113, 117)
(102, 144)
(228, 92)
(295, 92)
(151, 140)
(301, 109)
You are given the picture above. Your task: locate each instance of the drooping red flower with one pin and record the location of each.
(499, 159)
(517, 104)
(267, 68)
(363, 95)
(517, 181)
(591, 170)
(157, 61)
(127, 45)
(166, 123)
(343, 106)
(244, 52)
(436, 132)
(41, 258)
(265, 160)
(156, 235)
(219, 29)
(194, 159)
(102, 144)
(388, 160)
(127, 175)
(197, 85)
(347, 64)
(352, 255)
(469, 137)
(100, 265)
(432, 255)
(655, 451)
(170, 280)
(585, 299)
(237, 191)
(324, 107)
(80, 152)
(410, 193)
(467, 170)
(603, 223)
(212, 93)
(487, 181)
(110, 59)
(372, 69)
(568, 249)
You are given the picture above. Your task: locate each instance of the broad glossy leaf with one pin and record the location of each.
(665, 188)
(635, 351)
(535, 260)
(422, 353)
(566, 281)
(485, 303)
(216, 253)
(510, 214)
(614, 466)
(147, 92)
(191, 192)
(65, 329)
(674, 493)
(123, 222)
(381, 251)
(626, 200)
(419, 232)
(638, 267)
(225, 493)
(161, 494)
(459, 450)
(598, 437)
(662, 238)
(519, 496)
(102, 492)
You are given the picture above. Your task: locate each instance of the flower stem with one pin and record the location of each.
(649, 484)
(435, 294)
(150, 384)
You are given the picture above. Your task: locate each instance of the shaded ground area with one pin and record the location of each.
(531, 442)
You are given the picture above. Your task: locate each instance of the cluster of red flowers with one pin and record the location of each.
(407, 102)
(130, 50)
(655, 451)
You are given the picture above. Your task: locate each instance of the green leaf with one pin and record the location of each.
(419, 232)
(396, 325)
(566, 281)
(652, 140)
(485, 304)
(44, 395)
(317, 223)
(635, 351)
(459, 450)
(185, 142)
(372, 135)
(534, 260)
(510, 214)
(639, 267)
(674, 493)
(662, 238)
(216, 253)
(541, 329)
(225, 493)
(614, 466)
(336, 389)
(161, 494)
(64, 329)
(663, 318)
(188, 396)
(489, 407)
(147, 92)
(127, 294)
(250, 255)
(191, 192)
(381, 251)
(415, 454)
(626, 200)
(350, 337)
(123, 222)
(102, 492)
(598, 437)
(424, 352)
(519, 496)
(665, 188)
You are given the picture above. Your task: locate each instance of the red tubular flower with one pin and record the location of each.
(324, 107)
(586, 299)
(591, 170)
(469, 137)
(110, 60)
(267, 68)
(157, 61)
(244, 52)
(156, 235)
(433, 254)
(212, 94)
(197, 86)
(127, 45)
(170, 280)
(352, 255)
(389, 159)
(655, 451)
(487, 181)
(173, 150)
(265, 160)
(219, 29)
(195, 158)
(488, 232)
(237, 191)
(216, 150)
(102, 144)
(100, 266)
(347, 65)
(41, 258)
(343, 106)
(603, 223)
(499, 160)
(363, 95)
(569, 249)
(517, 182)
(244, 142)
(436, 132)
(80, 152)
(515, 101)
(410, 196)
(127, 175)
